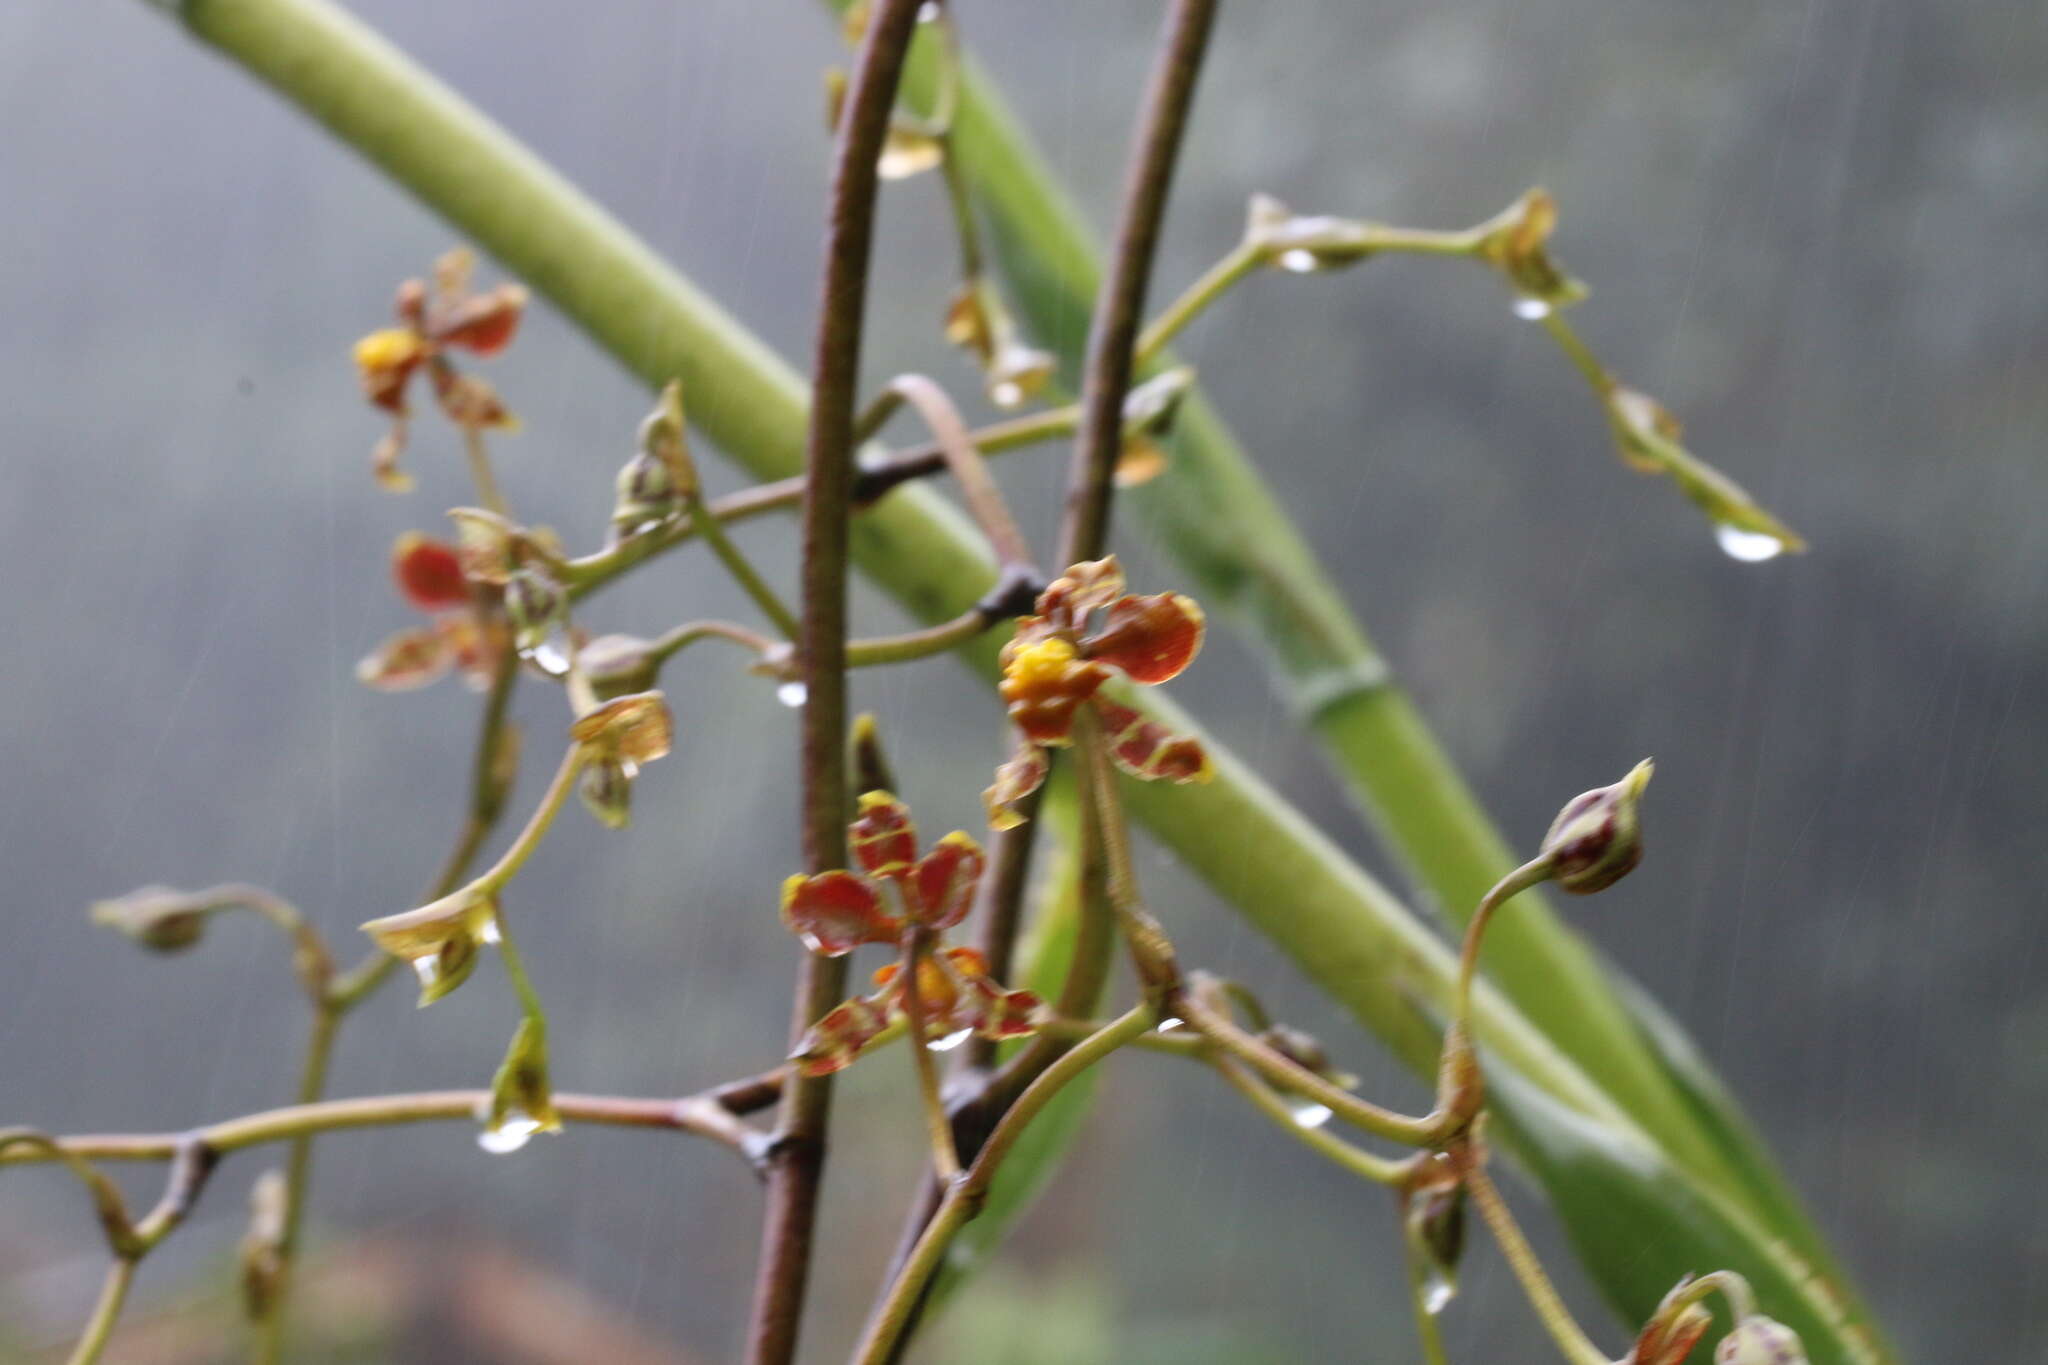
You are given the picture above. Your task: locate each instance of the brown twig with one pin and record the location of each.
(798, 1159)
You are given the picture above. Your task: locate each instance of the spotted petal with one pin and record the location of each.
(990, 1009)
(834, 1041)
(636, 728)
(883, 838)
(412, 658)
(1015, 780)
(1083, 588)
(944, 881)
(484, 323)
(1149, 751)
(1151, 638)
(835, 912)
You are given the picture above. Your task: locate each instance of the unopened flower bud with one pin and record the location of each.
(1758, 1340)
(536, 605)
(1435, 1228)
(1596, 839)
(157, 917)
(606, 787)
(1515, 241)
(1305, 244)
(615, 665)
(665, 436)
(522, 1101)
(646, 492)
(262, 1249)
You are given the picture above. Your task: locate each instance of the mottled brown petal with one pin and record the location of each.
(883, 839)
(1149, 751)
(835, 1040)
(1083, 588)
(636, 727)
(486, 323)
(484, 544)
(836, 912)
(992, 1010)
(1015, 780)
(411, 658)
(943, 884)
(1151, 638)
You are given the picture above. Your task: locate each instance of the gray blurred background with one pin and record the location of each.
(1815, 230)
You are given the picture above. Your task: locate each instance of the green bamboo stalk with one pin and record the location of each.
(1345, 929)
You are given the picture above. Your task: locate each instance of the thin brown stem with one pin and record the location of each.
(387, 1111)
(798, 1158)
(480, 469)
(1120, 306)
(1557, 1319)
(977, 486)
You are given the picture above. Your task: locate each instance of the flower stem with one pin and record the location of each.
(797, 1164)
(740, 567)
(480, 470)
(1241, 260)
(917, 644)
(964, 1197)
(1564, 1329)
(106, 1311)
(537, 824)
(1532, 873)
(298, 1174)
(945, 1159)
(1354, 1159)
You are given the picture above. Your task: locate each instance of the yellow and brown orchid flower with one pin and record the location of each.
(1088, 630)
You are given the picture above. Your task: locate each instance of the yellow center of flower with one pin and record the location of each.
(1042, 666)
(389, 349)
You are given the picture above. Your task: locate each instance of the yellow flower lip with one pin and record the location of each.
(1043, 664)
(388, 349)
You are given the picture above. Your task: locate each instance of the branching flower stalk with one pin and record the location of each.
(500, 601)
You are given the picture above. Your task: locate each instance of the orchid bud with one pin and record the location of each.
(157, 917)
(262, 1249)
(615, 665)
(665, 436)
(536, 605)
(1596, 839)
(1758, 1340)
(1435, 1226)
(522, 1102)
(606, 787)
(646, 492)
(1303, 244)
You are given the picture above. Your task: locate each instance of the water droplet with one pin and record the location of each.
(1530, 308)
(1309, 1114)
(427, 969)
(1168, 1025)
(1300, 260)
(928, 12)
(792, 694)
(1751, 547)
(811, 942)
(952, 1040)
(549, 658)
(490, 933)
(1438, 1289)
(516, 1129)
(1006, 394)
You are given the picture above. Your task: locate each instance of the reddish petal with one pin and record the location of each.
(1015, 780)
(1151, 638)
(484, 324)
(993, 1011)
(883, 838)
(411, 658)
(428, 573)
(944, 881)
(1149, 751)
(835, 912)
(835, 1040)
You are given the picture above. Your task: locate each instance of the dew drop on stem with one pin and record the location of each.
(512, 1133)
(1531, 309)
(1300, 261)
(1750, 547)
(792, 694)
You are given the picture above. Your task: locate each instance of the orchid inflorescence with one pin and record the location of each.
(497, 601)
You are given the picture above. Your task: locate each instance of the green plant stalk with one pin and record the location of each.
(1345, 930)
(1218, 519)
